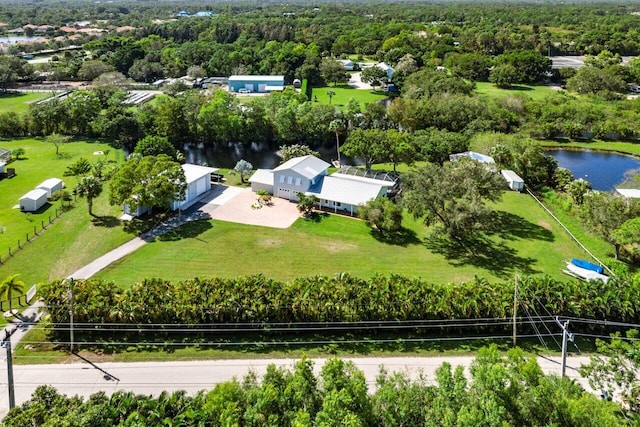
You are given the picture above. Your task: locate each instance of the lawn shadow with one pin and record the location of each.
(107, 221)
(315, 216)
(189, 230)
(403, 237)
(518, 87)
(481, 252)
(509, 226)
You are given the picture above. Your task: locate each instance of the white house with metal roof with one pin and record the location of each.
(341, 192)
(308, 175)
(297, 175)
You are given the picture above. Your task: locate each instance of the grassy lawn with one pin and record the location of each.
(19, 101)
(35, 350)
(75, 238)
(533, 91)
(525, 240)
(343, 93)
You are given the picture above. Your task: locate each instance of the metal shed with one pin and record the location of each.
(51, 185)
(33, 200)
(256, 83)
(515, 182)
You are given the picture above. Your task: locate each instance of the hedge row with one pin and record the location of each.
(334, 299)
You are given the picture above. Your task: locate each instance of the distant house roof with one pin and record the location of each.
(384, 66)
(307, 166)
(257, 78)
(262, 176)
(204, 14)
(347, 189)
(482, 158)
(630, 193)
(193, 173)
(345, 61)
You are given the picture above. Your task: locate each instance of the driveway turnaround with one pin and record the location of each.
(151, 378)
(245, 209)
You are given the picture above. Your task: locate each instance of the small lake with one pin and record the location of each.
(603, 170)
(261, 156)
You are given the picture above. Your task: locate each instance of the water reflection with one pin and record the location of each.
(260, 155)
(603, 170)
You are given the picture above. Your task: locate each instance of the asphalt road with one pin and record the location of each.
(151, 378)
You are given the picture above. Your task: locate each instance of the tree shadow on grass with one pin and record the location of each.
(510, 227)
(189, 230)
(315, 216)
(106, 221)
(403, 237)
(481, 252)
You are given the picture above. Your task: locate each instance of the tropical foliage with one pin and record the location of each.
(343, 298)
(502, 390)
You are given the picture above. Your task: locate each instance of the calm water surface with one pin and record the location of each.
(603, 170)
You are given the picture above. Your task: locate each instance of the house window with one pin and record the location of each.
(289, 180)
(298, 181)
(282, 179)
(338, 204)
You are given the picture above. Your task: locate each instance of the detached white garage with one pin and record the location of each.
(33, 200)
(198, 182)
(51, 185)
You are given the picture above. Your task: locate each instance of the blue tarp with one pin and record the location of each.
(587, 265)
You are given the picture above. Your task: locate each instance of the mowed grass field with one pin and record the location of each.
(75, 238)
(533, 91)
(525, 241)
(19, 101)
(343, 93)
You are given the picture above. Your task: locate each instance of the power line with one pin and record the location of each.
(275, 343)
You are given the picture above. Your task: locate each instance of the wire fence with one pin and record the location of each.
(29, 236)
(575, 239)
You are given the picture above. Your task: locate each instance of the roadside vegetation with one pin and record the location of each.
(513, 386)
(451, 247)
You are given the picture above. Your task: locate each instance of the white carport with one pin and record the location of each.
(33, 200)
(51, 185)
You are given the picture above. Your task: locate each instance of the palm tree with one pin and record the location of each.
(338, 127)
(10, 285)
(330, 94)
(89, 187)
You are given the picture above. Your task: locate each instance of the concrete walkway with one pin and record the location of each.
(202, 209)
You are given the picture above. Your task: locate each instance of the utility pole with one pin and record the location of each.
(71, 315)
(7, 345)
(566, 336)
(515, 307)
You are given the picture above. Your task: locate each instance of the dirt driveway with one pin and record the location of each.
(239, 209)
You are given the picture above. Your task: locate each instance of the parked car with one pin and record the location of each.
(243, 90)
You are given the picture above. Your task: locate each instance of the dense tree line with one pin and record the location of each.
(502, 390)
(292, 39)
(343, 298)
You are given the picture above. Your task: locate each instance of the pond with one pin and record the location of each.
(260, 155)
(603, 170)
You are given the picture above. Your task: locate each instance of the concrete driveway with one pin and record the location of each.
(356, 81)
(242, 208)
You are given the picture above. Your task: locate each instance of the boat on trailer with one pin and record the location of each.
(584, 273)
